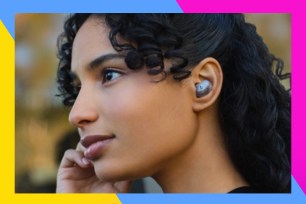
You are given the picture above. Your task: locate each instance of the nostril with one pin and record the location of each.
(82, 123)
(81, 118)
(78, 120)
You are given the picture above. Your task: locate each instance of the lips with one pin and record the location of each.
(95, 144)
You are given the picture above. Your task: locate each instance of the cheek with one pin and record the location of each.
(149, 107)
(151, 120)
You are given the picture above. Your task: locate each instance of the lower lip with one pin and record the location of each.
(95, 150)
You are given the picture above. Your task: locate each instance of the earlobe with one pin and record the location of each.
(207, 77)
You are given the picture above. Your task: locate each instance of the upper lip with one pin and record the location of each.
(91, 139)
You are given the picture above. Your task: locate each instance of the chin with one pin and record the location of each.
(112, 172)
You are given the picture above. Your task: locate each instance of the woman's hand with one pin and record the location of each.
(76, 175)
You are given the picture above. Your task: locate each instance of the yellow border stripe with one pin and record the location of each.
(7, 175)
(7, 135)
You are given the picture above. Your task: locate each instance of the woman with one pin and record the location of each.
(190, 100)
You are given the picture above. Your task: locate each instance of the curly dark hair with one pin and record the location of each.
(254, 108)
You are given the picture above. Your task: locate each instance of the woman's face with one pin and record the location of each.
(145, 125)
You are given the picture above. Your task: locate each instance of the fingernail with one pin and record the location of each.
(85, 161)
(86, 152)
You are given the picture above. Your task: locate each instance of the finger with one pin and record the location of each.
(72, 158)
(79, 147)
(122, 186)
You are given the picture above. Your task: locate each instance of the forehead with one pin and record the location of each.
(90, 42)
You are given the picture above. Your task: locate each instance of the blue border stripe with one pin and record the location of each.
(8, 9)
(296, 197)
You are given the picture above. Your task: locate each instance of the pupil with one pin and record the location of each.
(109, 76)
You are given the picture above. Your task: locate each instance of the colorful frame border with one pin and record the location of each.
(8, 9)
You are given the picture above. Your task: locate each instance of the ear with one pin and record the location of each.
(208, 69)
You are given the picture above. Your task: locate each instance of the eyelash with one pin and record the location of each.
(76, 88)
(106, 72)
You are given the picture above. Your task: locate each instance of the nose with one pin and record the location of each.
(84, 111)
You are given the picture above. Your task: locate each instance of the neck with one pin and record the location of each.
(205, 167)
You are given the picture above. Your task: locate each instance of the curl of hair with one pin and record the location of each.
(254, 108)
(64, 44)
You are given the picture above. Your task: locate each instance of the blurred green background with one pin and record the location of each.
(42, 121)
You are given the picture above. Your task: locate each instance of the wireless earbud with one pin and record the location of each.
(203, 88)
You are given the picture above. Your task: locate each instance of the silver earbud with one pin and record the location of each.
(203, 88)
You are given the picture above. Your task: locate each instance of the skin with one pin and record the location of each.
(161, 129)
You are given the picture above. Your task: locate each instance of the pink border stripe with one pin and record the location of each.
(231, 6)
(297, 8)
(298, 99)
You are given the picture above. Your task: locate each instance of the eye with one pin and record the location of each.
(109, 75)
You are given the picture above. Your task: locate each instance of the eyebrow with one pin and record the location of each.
(104, 58)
